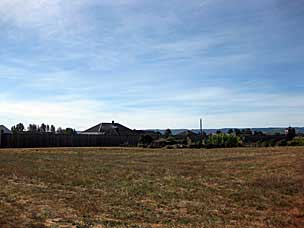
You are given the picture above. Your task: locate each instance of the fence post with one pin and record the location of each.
(0, 138)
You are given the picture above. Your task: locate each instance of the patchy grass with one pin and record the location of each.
(130, 187)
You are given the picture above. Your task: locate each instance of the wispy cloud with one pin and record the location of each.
(151, 64)
(218, 106)
(47, 18)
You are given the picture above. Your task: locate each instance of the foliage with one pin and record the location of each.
(70, 131)
(237, 132)
(168, 133)
(223, 140)
(32, 128)
(171, 140)
(59, 130)
(230, 131)
(53, 129)
(268, 143)
(298, 141)
(43, 128)
(258, 133)
(18, 128)
(246, 131)
(67, 131)
(158, 134)
(291, 133)
(282, 142)
(145, 140)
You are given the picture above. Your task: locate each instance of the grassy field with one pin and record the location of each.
(115, 187)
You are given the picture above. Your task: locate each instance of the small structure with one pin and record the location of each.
(290, 132)
(4, 130)
(109, 129)
(188, 134)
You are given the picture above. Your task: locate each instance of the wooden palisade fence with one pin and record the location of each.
(60, 140)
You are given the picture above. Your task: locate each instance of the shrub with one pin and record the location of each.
(171, 140)
(298, 141)
(282, 142)
(265, 144)
(223, 140)
(145, 140)
(168, 133)
(291, 133)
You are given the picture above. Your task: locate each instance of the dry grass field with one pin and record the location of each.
(131, 187)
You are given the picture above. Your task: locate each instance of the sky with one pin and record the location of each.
(152, 64)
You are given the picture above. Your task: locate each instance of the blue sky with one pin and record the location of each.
(151, 63)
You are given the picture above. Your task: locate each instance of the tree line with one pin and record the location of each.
(43, 128)
(231, 138)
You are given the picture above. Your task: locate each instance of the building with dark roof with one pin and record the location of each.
(4, 130)
(188, 134)
(109, 129)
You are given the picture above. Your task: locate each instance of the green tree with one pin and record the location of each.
(69, 131)
(230, 131)
(60, 130)
(237, 132)
(158, 134)
(297, 141)
(53, 129)
(18, 128)
(223, 141)
(145, 140)
(290, 133)
(32, 128)
(246, 132)
(13, 129)
(258, 133)
(168, 133)
(43, 128)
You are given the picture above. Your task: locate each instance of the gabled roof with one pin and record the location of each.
(114, 129)
(93, 129)
(4, 129)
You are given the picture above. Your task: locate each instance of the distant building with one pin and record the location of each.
(109, 129)
(155, 135)
(4, 130)
(188, 134)
(290, 132)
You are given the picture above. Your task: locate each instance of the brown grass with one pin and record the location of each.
(116, 187)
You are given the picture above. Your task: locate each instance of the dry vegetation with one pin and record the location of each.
(114, 187)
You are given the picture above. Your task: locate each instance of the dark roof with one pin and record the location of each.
(93, 129)
(187, 133)
(110, 129)
(4, 130)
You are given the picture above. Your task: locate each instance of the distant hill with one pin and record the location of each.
(270, 130)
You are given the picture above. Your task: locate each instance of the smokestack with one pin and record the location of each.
(201, 127)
